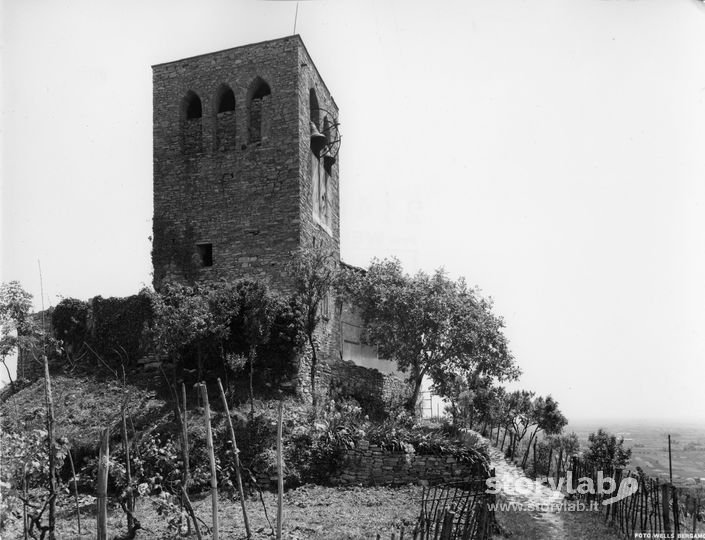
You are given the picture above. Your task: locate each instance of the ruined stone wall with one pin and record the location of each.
(368, 464)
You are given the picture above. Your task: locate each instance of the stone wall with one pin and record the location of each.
(368, 464)
(377, 393)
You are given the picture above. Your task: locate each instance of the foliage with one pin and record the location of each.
(251, 310)
(401, 434)
(182, 317)
(70, 322)
(238, 324)
(26, 454)
(606, 452)
(546, 417)
(519, 407)
(430, 325)
(15, 305)
(20, 331)
(314, 272)
(119, 324)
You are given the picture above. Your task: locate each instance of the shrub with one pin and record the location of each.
(605, 452)
(26, 454)
(70, 322)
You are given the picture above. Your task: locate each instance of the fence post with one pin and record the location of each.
(236, 453)
(184, 439)
(75, 490)
(103, 466)
(280, 473)
(665, 503)
(211, 455)
(676, 517)
(447, 530)
(52, 448)
(696, 507)
(574, 476)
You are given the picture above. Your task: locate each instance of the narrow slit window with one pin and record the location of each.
(205, 254)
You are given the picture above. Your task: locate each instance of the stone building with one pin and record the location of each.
(245, 145)
(246, 172)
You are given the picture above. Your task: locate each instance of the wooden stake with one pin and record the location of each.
(75, 491)
(103, 467)
(211, 455)
(52, 449)
(130, 503)
(189, 509)
(184, 440)
(280, 473)
(238, 476)
(695, 514)
(665, 503)
(24, 504)
(670, 465)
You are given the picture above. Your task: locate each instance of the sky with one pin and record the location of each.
(550, 152)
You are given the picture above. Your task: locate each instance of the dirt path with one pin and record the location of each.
(536, 514)
(532, 502)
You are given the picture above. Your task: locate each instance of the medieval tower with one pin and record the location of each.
(245, 167)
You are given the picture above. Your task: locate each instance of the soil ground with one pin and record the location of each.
(310, 512)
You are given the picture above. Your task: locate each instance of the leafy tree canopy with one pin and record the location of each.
(430, 325)
(605, 451)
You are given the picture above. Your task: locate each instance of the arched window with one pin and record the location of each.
(258, 110)
(225, 118)
(191, 114)
(226, 99)
(194, 110)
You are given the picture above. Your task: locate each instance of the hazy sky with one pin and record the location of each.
(551, 152)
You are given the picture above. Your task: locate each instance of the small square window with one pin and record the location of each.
(205, 254)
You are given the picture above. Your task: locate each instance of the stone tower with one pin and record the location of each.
(242, 175)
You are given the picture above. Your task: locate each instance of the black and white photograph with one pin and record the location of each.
(341, 270)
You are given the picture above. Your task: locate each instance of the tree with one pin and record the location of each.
(606, 452)
(430, 325)
(546, 417)
(518, 410)
(19, 330)
(314, 273)
(191, 318)
(251, 323)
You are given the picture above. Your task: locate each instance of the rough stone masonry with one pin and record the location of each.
(235, 177)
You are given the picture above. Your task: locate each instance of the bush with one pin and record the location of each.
(605, 452)
(27, 452)
(70, 322)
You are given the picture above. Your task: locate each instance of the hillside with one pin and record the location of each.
(83, 406)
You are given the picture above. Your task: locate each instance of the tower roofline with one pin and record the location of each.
(249, 45)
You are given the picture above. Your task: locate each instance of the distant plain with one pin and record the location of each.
(649, 443)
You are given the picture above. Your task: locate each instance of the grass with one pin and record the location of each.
(83, 406)
(310, 512)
